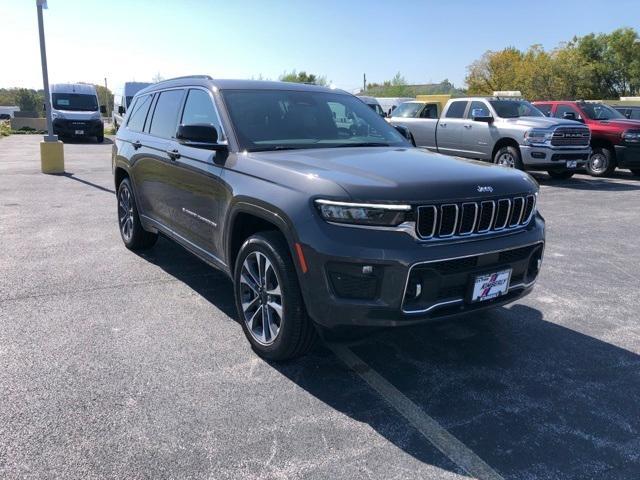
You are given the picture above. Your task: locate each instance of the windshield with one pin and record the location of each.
(407, 109)
(597, 111)
(515, 109)
(75, 101)
(287, 119)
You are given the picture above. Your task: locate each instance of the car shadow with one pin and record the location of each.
(584, 182)
(85, 141)
(532, 398)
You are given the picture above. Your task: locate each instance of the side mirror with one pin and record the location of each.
(103, 109)
(569, 116)
(201, 135)
(481, 116)
(404, 131)
(121, 110)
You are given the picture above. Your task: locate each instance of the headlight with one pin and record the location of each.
(57, 115)
(363, 213)
(537, 136)
(631, 136)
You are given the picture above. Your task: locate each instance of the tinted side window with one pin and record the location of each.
(138, 113)
(199, 109)
(165, 116)
(456, 109)
(430, 110)
(635, 114)
(480, 109)
(545, 109)
(562, 109)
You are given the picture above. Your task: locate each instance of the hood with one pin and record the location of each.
(540, 122)
(621, 123)
(392, 174)
(78, 115)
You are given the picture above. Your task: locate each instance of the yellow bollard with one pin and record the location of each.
(52, 157)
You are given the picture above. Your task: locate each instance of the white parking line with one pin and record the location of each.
(444, 441)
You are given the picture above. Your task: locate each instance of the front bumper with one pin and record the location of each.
(553, 158)
(628, 156)
(337, 292)
(71, 128)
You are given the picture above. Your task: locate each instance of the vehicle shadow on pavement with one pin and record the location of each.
(85, 141)
(531, 398)
(592, 183)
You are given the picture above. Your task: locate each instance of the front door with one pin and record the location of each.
(450, 127)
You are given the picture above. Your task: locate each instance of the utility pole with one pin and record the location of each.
(364, 82)
(51, 150)
(106, 97)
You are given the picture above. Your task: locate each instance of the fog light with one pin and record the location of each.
(367, 270)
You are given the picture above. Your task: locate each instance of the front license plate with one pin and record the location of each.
(491, 285)
(572, 164)
(79, 132)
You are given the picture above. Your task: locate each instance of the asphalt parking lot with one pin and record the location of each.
(118, 365)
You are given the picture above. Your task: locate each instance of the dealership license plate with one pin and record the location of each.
(491, 285)
(572, 164)
(79, 132)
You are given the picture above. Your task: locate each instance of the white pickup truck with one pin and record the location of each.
(506, 131)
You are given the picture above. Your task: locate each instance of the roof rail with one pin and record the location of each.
(205, 77)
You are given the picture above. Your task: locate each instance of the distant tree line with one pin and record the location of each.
(595, 66)
(398, 87)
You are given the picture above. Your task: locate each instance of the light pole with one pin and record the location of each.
(51, 150)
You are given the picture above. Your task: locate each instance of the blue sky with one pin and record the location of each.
(88, 40)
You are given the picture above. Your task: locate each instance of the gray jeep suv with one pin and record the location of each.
(321, 213)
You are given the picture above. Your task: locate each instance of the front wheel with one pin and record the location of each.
(268, 299)
(508, 157)
(601, 162)
(133, 235)
(560, 174)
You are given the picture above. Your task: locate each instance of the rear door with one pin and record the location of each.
(155, 170)
(450, 127)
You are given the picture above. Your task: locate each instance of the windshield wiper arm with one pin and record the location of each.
(273, 148)
(363, 144)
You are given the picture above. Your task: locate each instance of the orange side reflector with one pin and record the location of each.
(301, 259)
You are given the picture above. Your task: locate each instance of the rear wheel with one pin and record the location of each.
(508, 157)
(560, 174)
(268, 299)
(133, 235)
(601, 162)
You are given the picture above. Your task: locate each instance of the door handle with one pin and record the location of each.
(443, 124)
(173, 154)
(467, 126)
(136, 144)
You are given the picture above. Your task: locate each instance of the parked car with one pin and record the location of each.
(373, 104)
(122, 97)
(615, 140)
(317, 225)
(507, 131)
(631, 112)
(76, 111)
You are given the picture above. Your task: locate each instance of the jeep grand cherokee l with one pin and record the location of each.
(319, 222)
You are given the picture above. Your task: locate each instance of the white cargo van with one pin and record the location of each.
(76, 111)
(122, 99)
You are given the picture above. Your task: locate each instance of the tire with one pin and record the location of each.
(560, 174)
(133, 235)
(601, 162)
(636, 172)
(291, 333)
(100, 138)
(508, 157)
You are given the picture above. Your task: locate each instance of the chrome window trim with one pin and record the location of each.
(475, 218)
(458, 300)
(455, 223)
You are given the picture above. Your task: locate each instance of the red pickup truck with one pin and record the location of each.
(615, 140)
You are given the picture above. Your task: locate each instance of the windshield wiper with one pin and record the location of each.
(362, 144)
(273, 148)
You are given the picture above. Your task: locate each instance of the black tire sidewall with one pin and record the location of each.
(138, 234)
(514, 152)
(610, 167)
(272, 245)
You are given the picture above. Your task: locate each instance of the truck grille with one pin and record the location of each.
(571, 136)
(461, 219)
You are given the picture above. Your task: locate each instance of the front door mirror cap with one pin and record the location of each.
(483, 118)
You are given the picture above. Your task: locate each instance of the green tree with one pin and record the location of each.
(28, 100)
(303, 77)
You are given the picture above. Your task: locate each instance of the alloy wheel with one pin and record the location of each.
(261, 298)
(125, 213)
(506, 160)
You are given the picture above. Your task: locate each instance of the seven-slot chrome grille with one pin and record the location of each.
(571, 136)
(448, 220)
